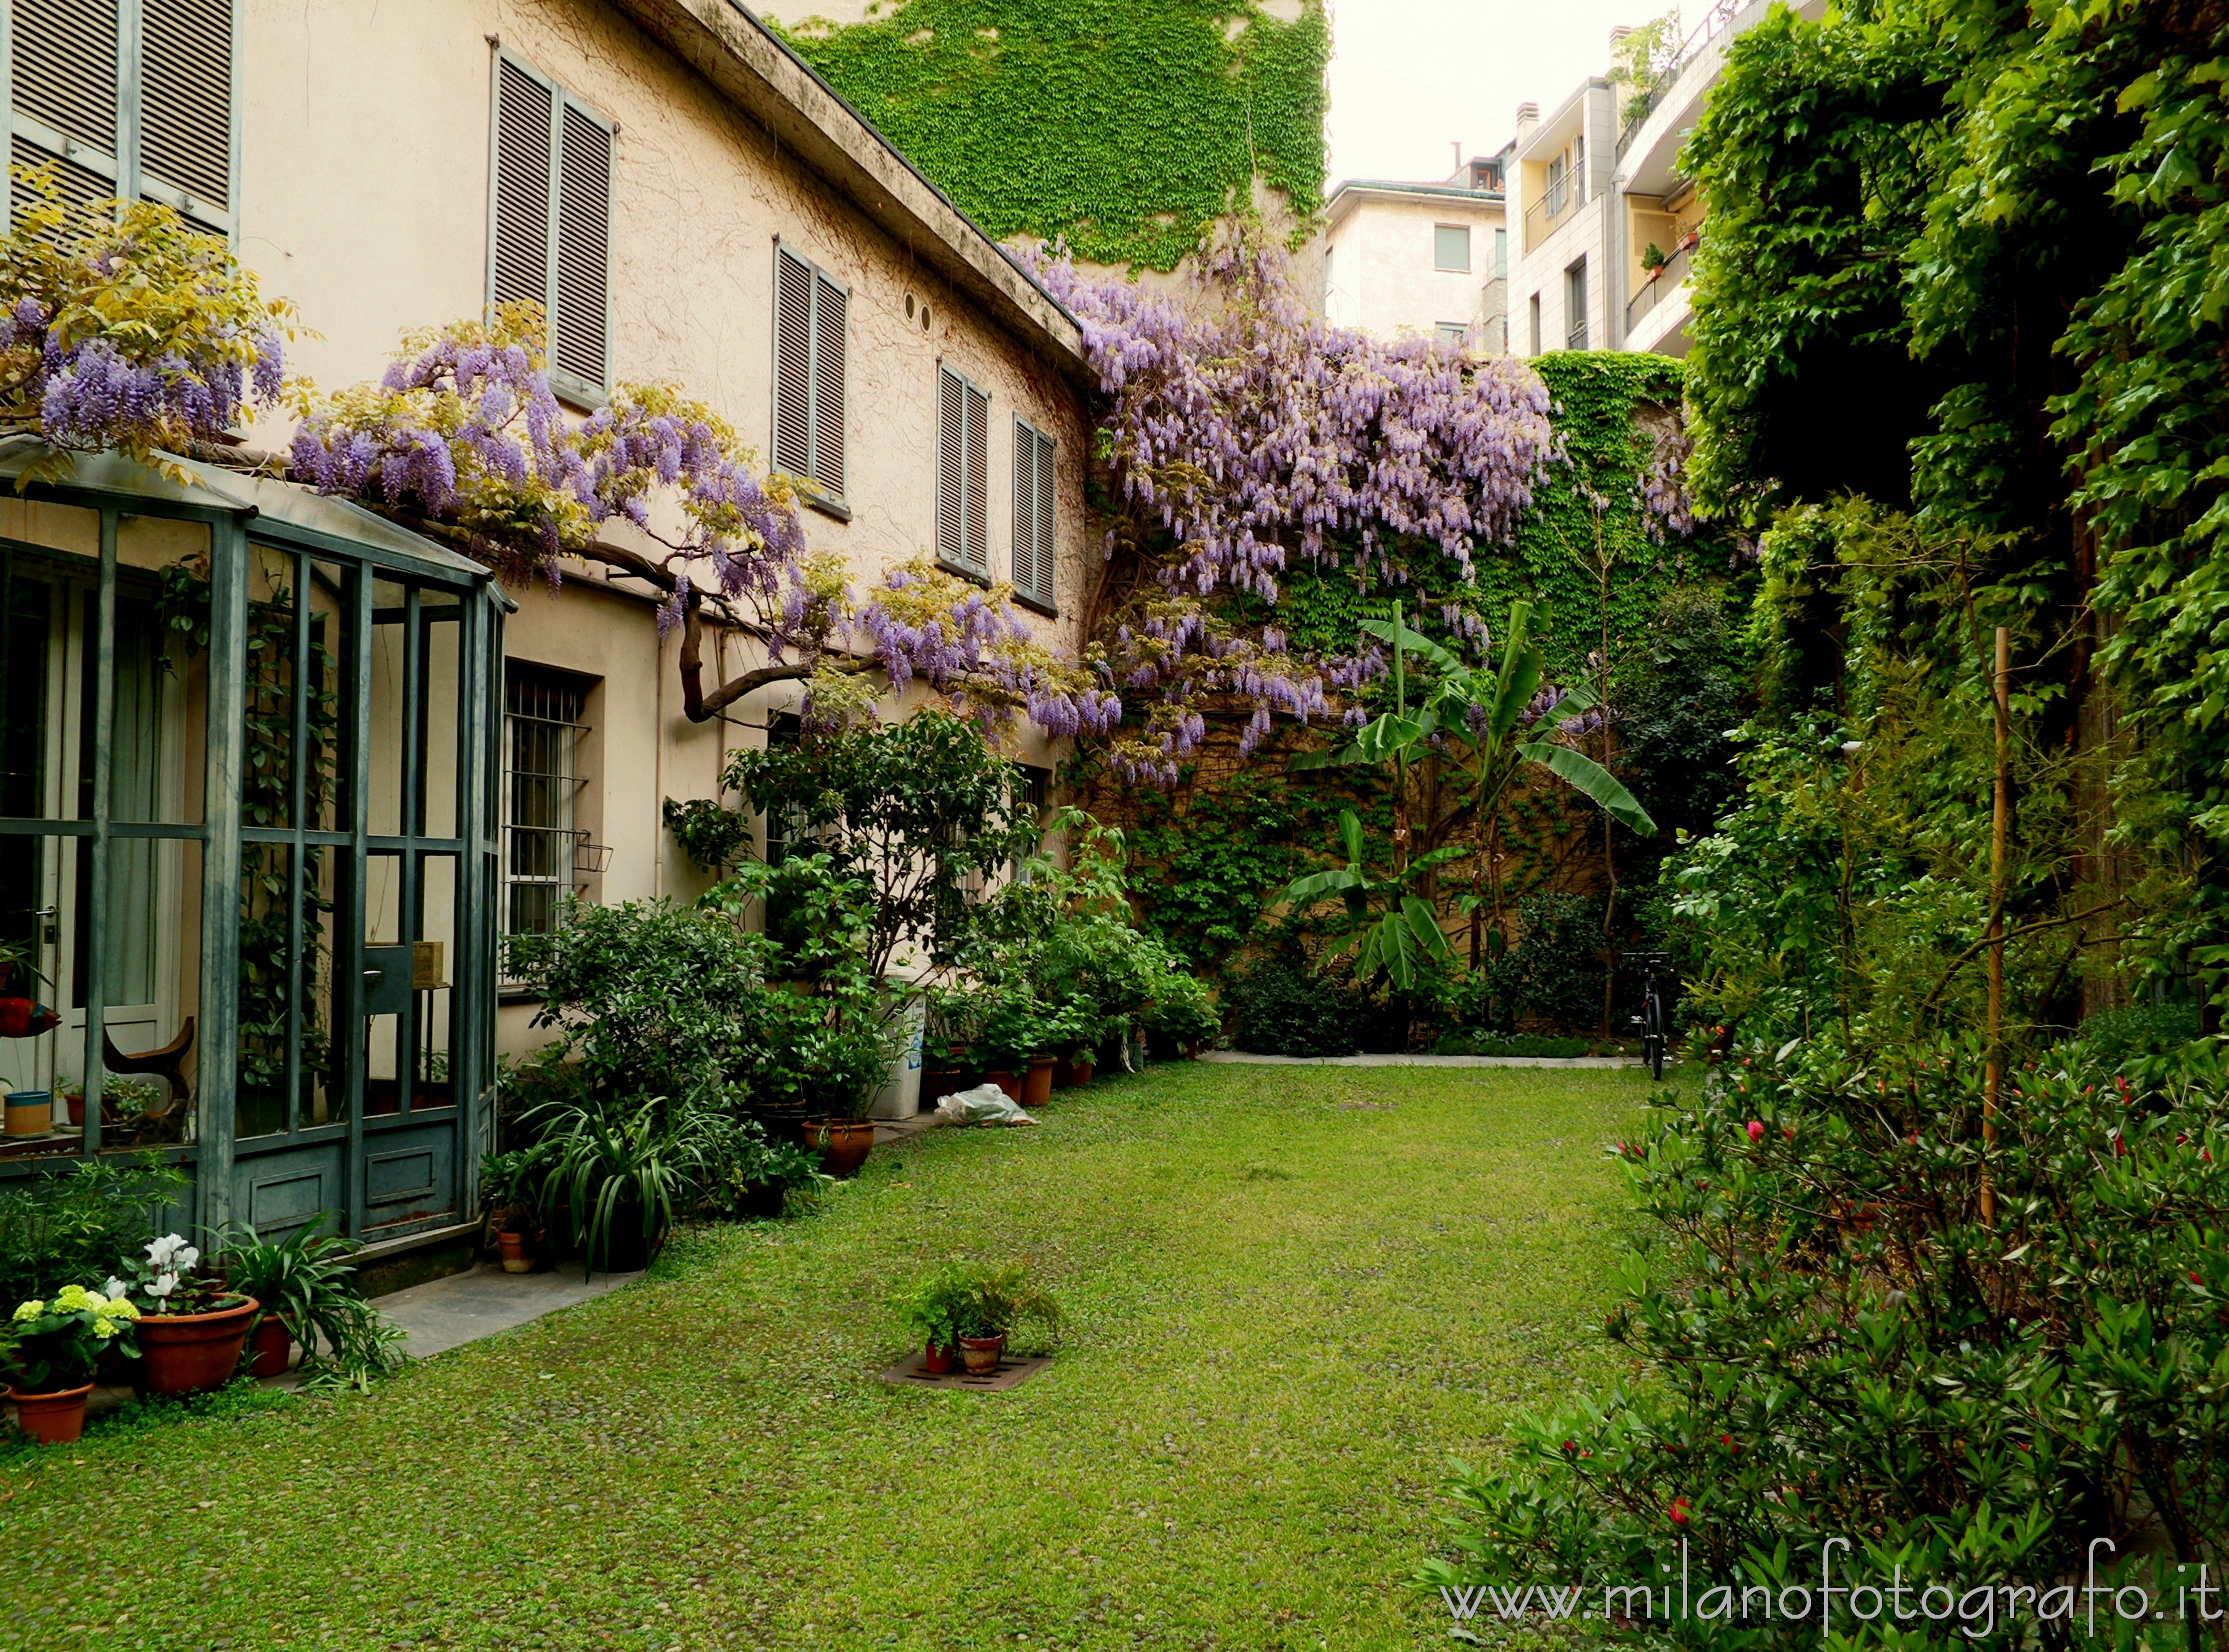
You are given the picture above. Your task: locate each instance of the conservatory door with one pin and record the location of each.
(351, 897)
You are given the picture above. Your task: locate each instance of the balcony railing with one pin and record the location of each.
(1670, 274)
(1551, 210)
(1715, 21)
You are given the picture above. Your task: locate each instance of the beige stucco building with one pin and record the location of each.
(372, 150)
(287, 935)
(1428, 260)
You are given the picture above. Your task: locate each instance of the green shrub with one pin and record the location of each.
(1511, 1043)
(1555, 971)
(1853, 1323)
(2122, 1036)
(76, 1226)
(1283, 1008)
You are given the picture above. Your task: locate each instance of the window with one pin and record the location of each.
(963, 467)
(1501, 255)
(1533, 304)
(1034, 563)
(809, 344)
(133, 97)
(550, 222)
(1453, 332)
(1451, 247)
(783, 828)
(1036, 797)
(1575, 305)
(542, 733)
(1559, 178)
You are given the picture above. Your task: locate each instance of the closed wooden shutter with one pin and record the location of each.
(830, 303)
(951, 467)
(550, 223)
(519, 259)
(185, 101)
(1034, 513)
(62, 77)
(1046, 569)
(579, 318)
(792, 364)
(978, 478)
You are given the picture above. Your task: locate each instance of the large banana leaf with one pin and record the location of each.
(1400, 942)
(1316, 886)
(1413, 642)
(1587, 775)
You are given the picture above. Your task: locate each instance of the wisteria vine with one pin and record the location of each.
(1244, 433)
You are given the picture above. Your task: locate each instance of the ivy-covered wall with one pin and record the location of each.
(1125, 125)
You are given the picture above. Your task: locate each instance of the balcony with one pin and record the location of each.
(1673, 272)
(1542, 217)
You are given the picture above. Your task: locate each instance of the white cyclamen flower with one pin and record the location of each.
(187, 1259)
(159, 1251)
(163, 1285)
(115, 1289)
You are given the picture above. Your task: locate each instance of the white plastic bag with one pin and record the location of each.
(984, 1105)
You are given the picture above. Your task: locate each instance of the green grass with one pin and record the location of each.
(1291, 1293)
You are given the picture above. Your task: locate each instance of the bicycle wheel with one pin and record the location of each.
(1652, 1035)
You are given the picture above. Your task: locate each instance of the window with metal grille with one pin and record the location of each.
(542, 736)
(1451, 247)
(550, 222)
(809, 344)
(1035, 453)
(1036, 797)
(1575, 305)
(963, 465)
(127, 98)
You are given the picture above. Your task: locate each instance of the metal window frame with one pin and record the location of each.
(507, 773)
(120, 164)
(1462, 269)
(570, 386)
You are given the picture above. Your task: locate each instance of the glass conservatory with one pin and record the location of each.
(247, 852)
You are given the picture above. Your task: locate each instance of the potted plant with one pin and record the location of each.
(1071, 1025)
(933, 1309)
(619, 1169)
(305, 1287)
(49, 1349)
(508, 1183)
(192, 1326)
(1013, 1033)
(994, 1299)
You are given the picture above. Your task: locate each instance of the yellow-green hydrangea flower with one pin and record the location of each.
(115, 1307)
(74, 1299)
(30, 1310)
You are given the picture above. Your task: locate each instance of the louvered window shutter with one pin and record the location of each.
(979, 477)
(550, 223)
(518, 263)
(1046, 568)
(829, 304)
(132, 100)
(185, 107)
(1026, 514)
(63, 75)
(579, 318)
(951, 467)
(792, 365)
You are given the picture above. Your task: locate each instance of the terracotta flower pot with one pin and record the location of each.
(981, 1354)
(518, 1258)
(273, 1343)
(1036, 1087)
(52, 1419)
(192, 1353)
(842, 1144)
(28, 1112)
(1006, 1082)
(1082, 1071)
(1068, 1075)
(937, 1360)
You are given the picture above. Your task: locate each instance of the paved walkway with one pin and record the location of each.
(1421, 1061)
(445, 1314)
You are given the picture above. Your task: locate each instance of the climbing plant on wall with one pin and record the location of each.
(1122, 126)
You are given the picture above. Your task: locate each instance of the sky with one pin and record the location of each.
(1410, 79)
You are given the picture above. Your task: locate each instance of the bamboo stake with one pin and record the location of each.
(2000, 835)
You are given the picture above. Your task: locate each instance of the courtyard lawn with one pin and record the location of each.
(1291, 1293)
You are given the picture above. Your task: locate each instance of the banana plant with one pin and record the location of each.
(1477, 714)
(1391, 931)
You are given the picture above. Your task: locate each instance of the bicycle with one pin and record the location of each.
(1651, 1019)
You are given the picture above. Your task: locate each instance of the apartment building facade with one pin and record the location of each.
(692, 206)
(1608, 224)
(1420, 259)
